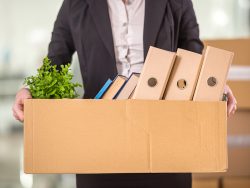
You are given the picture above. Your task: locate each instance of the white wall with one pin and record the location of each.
(223, 18)
(25, 32)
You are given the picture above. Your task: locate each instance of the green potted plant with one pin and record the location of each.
(52, 83)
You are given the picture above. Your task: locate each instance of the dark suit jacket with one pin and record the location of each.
(83, 26)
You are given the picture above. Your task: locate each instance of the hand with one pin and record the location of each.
(19, 102)
(231, 102)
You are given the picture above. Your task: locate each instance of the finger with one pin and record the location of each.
(27, 97)
(19, 114)
(232, 113)
(231, 97)
(18, 108)
(230, 108)
(233, 110)
(231, 102)
(28, 92)
(16, 116)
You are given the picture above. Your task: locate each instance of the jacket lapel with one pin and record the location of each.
(154, 12)
(100, 14)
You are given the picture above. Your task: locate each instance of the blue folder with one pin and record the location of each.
(104, 89)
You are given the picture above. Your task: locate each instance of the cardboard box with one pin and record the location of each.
(205, 183)
(124, 136)
(239, 147)
(239, 124)
(241, 90)
(238, 164)
(239, 144)
(236, 182)
(240, 47)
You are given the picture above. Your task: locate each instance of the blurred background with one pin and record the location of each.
(25, 31)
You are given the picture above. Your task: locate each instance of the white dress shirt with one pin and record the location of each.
(127, 22)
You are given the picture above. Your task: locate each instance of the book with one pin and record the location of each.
(184, 76)
(103, 89)
(155, 74)
(115, 87)
(128, 87)
(213, 75)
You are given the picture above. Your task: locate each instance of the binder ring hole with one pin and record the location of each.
(182, 84)
(212, 81)
(152, 82)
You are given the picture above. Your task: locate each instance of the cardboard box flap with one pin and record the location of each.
(124, 136)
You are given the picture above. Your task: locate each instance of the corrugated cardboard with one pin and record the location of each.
(239, 124)
(215, 65)
(241, 90)
(124, 136)
(157, 66)
(239, 161)
(236, 182)
(186, 67)
(239, 144)
(238, 164)
(239, 147)
(240, 47)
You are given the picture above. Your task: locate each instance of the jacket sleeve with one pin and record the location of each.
(189, 29)
(61, 47)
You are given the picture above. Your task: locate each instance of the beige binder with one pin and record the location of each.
(184, 76)
(115, 87)
(155, 74)
(212, 79)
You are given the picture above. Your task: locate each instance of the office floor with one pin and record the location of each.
(11, 172)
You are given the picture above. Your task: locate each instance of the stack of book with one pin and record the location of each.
(120, 88)
(183, 75)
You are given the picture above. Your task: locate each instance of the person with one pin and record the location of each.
(113, 37)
